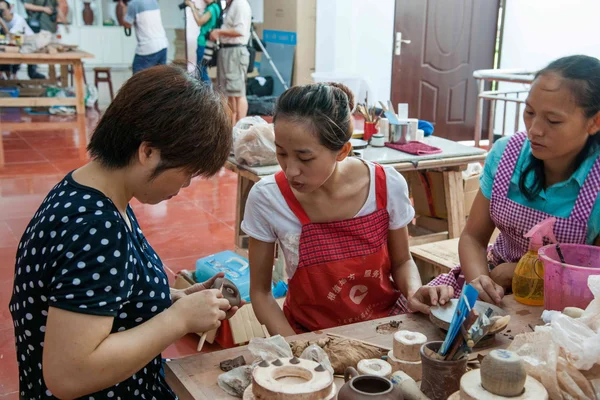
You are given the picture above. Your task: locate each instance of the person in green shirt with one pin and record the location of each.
(207, 21)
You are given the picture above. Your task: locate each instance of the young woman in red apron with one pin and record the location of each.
(562, 145)
(348, 265)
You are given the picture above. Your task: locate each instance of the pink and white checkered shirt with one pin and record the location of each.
(515, 220)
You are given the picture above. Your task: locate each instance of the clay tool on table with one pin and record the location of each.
(465, 305)
(205, 334)
(463, 342)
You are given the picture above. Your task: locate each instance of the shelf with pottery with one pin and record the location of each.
(108, 43)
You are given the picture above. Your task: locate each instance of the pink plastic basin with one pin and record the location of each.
(565, 285)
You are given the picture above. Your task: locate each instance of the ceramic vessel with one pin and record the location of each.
(88, 14)
(440, 378)
(367, 387)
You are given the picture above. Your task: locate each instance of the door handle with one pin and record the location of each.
(398, 43)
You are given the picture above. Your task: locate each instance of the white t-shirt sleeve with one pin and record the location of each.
(398, 204)
(258, 207)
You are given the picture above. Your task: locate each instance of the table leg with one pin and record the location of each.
(64, 76)
(52, 73)
(453, 191)
(82, 135)
(243, 189)
(79, 86)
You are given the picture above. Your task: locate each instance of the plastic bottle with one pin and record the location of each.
(528, 279)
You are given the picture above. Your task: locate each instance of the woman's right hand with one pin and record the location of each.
(202, 311)
(189, 3)
(489, 291)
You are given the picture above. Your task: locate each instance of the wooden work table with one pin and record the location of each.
(453, 159)
(195, 377)
(74, 58)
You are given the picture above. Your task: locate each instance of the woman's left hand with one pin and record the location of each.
(177, 294)
(428, 296)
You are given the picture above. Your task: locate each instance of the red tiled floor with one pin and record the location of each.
(7, 239)
(22, 156)
(15, 144)
(39, 168)
(9, 374)
(194, 224)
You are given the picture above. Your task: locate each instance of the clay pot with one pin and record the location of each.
(88, 14)
(440, 378)
(120, 11)
(63, 6)
(368, 387)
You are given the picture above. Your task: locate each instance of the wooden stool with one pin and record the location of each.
(103, 75)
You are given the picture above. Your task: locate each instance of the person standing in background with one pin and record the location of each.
(14, 24)
(151, 38)
(207, 21)
(42, 15)
(233, 58)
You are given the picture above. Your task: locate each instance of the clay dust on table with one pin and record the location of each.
(390, 327)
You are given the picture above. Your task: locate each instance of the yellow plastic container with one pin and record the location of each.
(528, 278)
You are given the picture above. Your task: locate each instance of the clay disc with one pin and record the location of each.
(441, 316)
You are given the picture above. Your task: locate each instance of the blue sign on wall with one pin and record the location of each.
(281, 46)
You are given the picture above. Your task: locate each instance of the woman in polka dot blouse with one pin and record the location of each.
(91, 304)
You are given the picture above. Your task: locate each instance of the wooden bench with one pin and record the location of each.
(437, 258)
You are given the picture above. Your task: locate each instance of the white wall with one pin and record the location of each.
(539, 31)
(355, 38)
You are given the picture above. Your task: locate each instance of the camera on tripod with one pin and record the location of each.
(182, 6)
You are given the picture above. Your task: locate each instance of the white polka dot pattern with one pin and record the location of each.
(78, 254)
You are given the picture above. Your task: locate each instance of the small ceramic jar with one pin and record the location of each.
(378, 140)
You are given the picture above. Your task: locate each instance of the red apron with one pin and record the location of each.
(343, 273)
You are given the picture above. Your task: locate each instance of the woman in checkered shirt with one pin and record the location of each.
(340, 222)
(551, 169)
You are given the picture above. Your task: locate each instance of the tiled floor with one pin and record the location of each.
(36, 152)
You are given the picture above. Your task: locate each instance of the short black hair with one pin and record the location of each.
(185, 119)
(5, 2)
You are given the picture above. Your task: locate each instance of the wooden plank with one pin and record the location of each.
(79, 86)
(419, 235)
(432, 224)
(195, 377)
(40, 126)
(442, 254)
(453, 190)
(43, 58)
(64, 75)
(243, 190)
(27, 82)
(52, 73)
(37, 101)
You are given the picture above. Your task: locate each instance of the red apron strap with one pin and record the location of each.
(290, 198)
(380, 187)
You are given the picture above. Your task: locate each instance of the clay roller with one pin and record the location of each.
(232, 294)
